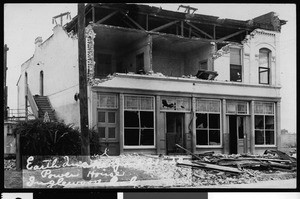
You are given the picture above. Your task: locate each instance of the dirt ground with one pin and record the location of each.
(136, 171)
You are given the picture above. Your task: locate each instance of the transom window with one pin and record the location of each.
(264, 123)
(208, 122)
(233, 107)
(264, 66)
(139, 121)
(107, 101)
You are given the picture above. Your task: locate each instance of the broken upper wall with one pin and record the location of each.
(154, 19)
(250, 58)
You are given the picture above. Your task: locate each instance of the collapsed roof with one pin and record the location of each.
(157, 20)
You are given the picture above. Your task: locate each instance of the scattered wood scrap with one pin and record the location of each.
(271, 160)
(211, 167)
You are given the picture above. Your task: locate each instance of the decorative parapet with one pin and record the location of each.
(90, 61)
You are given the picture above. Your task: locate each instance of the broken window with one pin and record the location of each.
(140, 63)
(264, 66)
(235, 65)
(264, 123)
(138, 121)
(103, 65)
(208, 122)
(175, 103)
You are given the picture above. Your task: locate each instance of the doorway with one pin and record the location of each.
(237, 136)
(41, 83)
(175, 128)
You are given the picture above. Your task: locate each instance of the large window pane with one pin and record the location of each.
(214, 121)
(259, 137)
(270, 137)
(264, 75)
(235, 73)
(147, 137)
(201, 121)
(259, 122)
(131, 119)
(214, 137)
(147, 119)
(269, 122)
(131, 137)
(202, 137)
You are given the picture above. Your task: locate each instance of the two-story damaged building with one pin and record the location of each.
(157, 78)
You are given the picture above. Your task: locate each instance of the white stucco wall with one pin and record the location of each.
(57, 58)
(250, 58)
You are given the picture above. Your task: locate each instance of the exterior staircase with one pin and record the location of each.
(44, 106)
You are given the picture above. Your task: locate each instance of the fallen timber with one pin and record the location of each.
(270, 160)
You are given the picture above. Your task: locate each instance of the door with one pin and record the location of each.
(237, 134)
(241, 134)
(175, 126)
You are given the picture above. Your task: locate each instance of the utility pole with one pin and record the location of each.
(5, 87)
(85, 143)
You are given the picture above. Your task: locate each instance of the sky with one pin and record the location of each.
(23, 23)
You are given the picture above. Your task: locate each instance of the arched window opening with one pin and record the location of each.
(264, 66)
(41, 83)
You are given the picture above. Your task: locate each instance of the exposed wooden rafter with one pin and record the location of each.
(107, 17)
(193, 26)
(134, 22)
(164, 26)
(229, 36)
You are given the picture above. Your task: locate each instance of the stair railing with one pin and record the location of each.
(32, 103)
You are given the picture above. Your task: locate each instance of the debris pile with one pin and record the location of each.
(9, 164)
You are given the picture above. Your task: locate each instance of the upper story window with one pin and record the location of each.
(235, 65)
(264, 66)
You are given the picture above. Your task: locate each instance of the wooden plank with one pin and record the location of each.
(189, 152)
(164, 26)
(134, 22)
(193, 26)
(231, 35)
(211, 167)
(107, 17)
(85, 144)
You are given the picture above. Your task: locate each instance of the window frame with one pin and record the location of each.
(236, 103)
(140, 128)
(107, 125)
(241, 65)
(269, 54)
(264, 114)
(208, 113)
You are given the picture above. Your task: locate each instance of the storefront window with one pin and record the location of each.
(139, 121)
(208, 123)
(264, 123)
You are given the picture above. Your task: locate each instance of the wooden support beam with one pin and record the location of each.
(193, 26)
(83, 106)
(164, 26)
(134, 22)
(214, 31)
(182, 30)
(229, 36)
(147, 22)
(93, 14)
(128, 24)
(107, 17)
